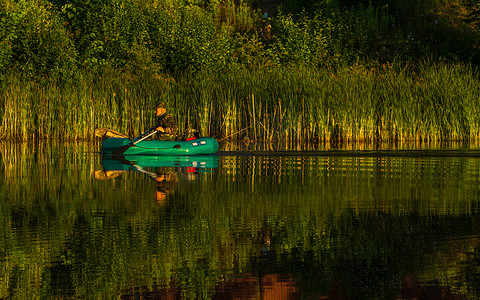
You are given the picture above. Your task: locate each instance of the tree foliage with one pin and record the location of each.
(57, 38)
(34, 40)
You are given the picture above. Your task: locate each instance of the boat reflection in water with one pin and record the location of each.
(164, 170)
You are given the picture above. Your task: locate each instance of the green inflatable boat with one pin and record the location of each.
(199, 146)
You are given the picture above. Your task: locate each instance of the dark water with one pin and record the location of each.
(348, 224)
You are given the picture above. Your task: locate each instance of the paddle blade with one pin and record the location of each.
(122, 149)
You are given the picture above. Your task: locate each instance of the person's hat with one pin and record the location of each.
(160, 105)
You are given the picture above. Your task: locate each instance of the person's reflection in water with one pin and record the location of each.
(166, 183)
(167, 180)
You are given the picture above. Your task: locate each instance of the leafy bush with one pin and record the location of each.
(53, 38)
(328, 38)
(301, 41)
(8, 24)
(35, 41)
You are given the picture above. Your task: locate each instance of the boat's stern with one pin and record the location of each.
(207, 145)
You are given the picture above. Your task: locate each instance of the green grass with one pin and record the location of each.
(392, 103)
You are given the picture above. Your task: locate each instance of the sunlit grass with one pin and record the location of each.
(390, 104)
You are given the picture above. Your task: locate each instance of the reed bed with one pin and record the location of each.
(432, 102)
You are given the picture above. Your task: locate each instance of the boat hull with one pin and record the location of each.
(200, 146)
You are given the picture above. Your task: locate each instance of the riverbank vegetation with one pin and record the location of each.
(317, 71)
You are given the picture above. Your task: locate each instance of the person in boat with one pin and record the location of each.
(165, 125)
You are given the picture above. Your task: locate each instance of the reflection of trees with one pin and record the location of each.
(257, 222)
(377, 250)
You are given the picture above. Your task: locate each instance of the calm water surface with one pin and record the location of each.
(261, 224)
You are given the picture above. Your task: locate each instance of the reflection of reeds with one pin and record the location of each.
(391, 104)
(54, 213)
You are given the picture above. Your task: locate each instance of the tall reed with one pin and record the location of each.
(289, 104)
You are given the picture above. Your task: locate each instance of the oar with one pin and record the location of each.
(152, 128)
(122, 149)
